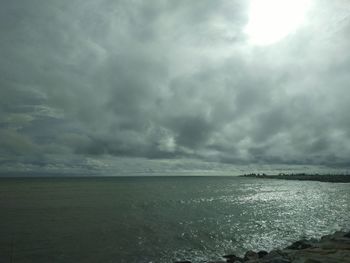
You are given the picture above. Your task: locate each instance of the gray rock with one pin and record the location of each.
(312, 261)
(262, 253)
(231, 258)
(276, 256)
(301, 244)
(278, 260)
(250, 255)
(276, 253)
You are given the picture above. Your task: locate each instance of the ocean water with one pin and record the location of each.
(161, 219)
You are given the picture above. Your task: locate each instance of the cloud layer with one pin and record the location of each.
(170, 80)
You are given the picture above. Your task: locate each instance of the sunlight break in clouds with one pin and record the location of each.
(272, 20)
(174, 85)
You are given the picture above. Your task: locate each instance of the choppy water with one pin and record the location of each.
(161, 219)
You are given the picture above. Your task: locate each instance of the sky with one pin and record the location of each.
(131, 86)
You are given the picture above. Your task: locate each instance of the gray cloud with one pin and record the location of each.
(170, 80)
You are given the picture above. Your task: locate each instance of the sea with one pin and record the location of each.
(163, 218)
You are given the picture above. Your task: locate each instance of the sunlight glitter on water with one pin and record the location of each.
(165, 219)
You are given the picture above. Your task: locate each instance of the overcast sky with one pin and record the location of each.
(90, 84)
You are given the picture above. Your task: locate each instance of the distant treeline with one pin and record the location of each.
(335, 178)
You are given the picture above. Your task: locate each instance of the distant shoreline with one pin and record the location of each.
(331, 178)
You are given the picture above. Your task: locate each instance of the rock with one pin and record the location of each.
(301, 244)
(278, 260)
(229, 256)
(250, 255)
(334, 236)
(232, 258)
(276, 256)
(333, 248)
(262, 253)
(312, 261)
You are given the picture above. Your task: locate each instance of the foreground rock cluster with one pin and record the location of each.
(329, 249)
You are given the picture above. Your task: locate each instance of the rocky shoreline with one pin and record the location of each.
(333, 248)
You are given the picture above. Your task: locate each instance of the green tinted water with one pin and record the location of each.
(161, 219)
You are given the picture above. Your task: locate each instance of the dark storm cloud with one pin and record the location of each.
(170, 79)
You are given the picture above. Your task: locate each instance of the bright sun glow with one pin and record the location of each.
(272, 20)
